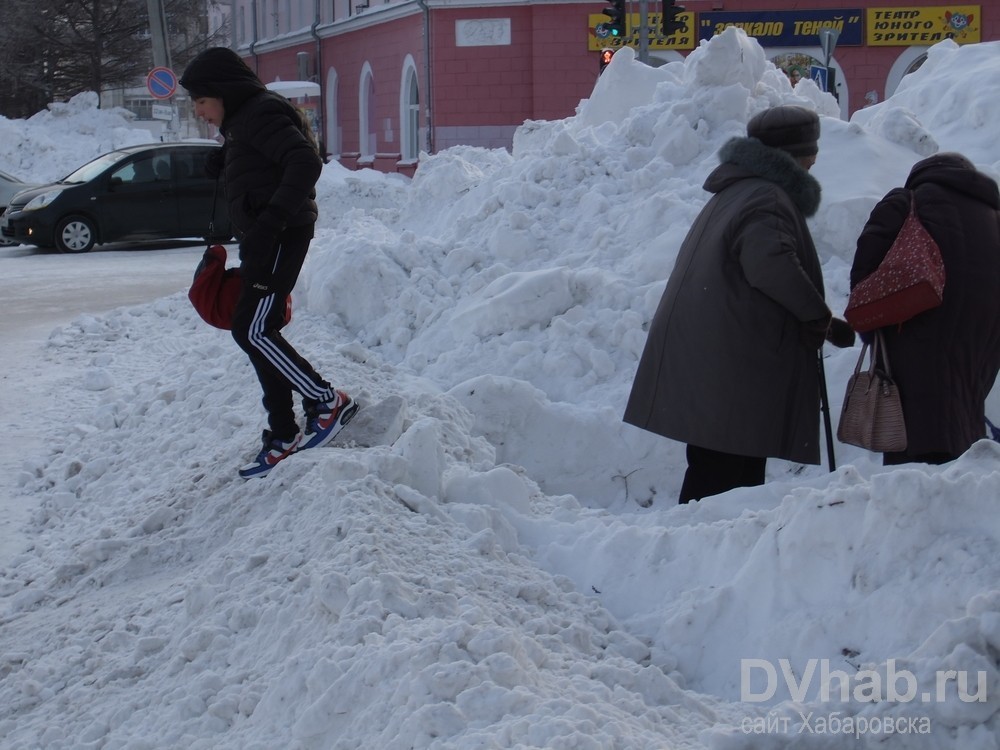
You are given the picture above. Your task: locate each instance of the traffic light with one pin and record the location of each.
(617, 27)
(606, 54)
(671, 23)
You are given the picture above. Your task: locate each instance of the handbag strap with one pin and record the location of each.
(913, 207)
(878, 348)
(861, 360)
(215, 200)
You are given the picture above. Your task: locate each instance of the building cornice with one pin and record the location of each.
(384, 14)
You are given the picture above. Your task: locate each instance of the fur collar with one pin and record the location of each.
(771, 164)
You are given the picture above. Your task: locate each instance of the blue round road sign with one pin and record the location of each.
(161, 82)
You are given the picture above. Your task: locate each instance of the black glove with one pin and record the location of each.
(812, 333)
(258, 250)
(840, 334)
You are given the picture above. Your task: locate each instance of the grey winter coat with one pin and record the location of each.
(724, 367)
(944, 360)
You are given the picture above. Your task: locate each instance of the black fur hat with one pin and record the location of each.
(789, 127)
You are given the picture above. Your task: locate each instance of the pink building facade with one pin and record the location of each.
(424, 75)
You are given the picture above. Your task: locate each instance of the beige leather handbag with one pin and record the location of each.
(872, 416)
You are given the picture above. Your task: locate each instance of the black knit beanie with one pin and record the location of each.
(789, 127)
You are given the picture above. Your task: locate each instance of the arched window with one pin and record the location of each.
(366, 110)
(908, 61)
(409, 112)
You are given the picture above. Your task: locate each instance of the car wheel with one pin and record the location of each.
(75, 234)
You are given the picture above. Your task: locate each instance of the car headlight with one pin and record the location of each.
(41, 201)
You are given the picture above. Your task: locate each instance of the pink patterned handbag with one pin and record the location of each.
(908, 281)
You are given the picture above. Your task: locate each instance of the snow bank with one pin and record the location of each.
(505, 567)
(52, 143)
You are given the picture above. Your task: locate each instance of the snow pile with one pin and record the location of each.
(545, 265)
(935, 110)
(499, 564)
(414, 591)
(51, 144)
(373, 597)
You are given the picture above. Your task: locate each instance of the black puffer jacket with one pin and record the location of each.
(271, 161)
(944, 360)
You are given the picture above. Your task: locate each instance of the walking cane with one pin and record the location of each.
(824, 402)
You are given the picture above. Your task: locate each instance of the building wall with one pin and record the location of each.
(379, 53)
(502, 65)
(483, 62)
(495, 65)
(564, 70)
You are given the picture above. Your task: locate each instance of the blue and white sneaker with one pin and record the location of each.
(325, 420)
(269, 456)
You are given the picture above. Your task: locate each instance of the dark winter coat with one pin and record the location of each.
(271, 160)
(723, 367)
(271, 166)
(944, 360)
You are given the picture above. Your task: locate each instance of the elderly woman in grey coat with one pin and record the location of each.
(730, 363)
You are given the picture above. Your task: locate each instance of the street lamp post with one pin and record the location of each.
(158, 33)
(161, 51)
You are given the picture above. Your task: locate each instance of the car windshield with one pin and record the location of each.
(91, 169)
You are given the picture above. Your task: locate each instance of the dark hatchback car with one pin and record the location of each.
(146, 192)
(9, 186)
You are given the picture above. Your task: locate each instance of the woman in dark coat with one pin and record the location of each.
(270, 168)
(730, 364)
(944, 360)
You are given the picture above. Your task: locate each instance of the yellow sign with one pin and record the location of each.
(902, 27)
(685, 39)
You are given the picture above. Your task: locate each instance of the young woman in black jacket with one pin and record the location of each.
(270, 166)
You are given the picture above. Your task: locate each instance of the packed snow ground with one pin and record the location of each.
(500, 564)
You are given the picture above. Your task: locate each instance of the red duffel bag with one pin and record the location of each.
(216, 289)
